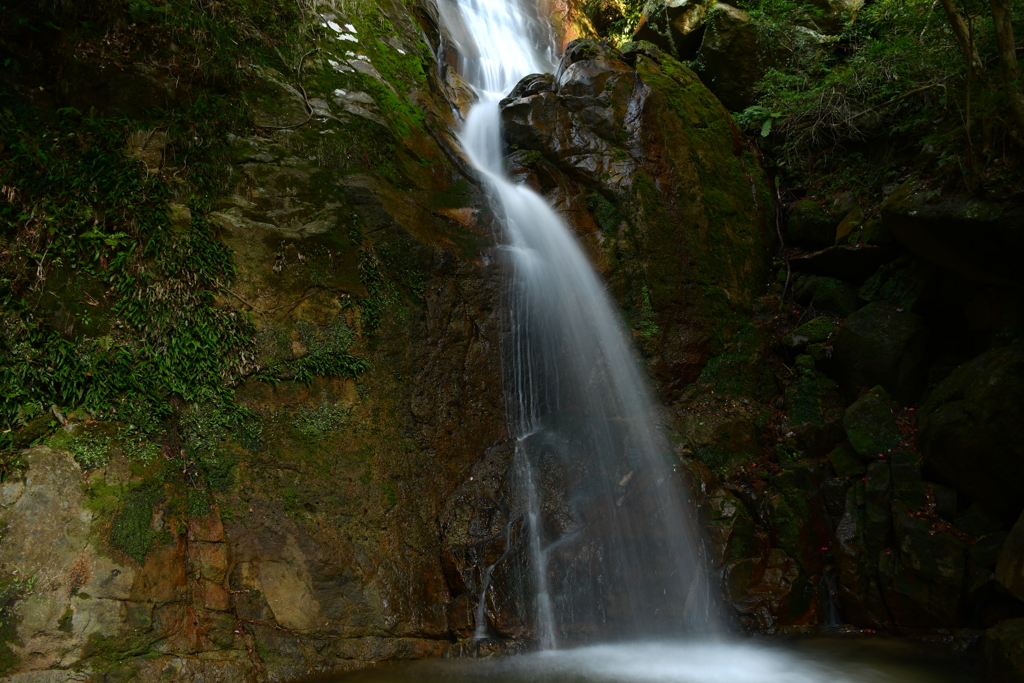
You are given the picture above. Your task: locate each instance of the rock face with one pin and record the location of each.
(637, 137)
(971, 431)
(350, 521)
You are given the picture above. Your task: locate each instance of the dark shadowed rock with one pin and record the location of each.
(925, 579)
(980, 240)
(734, 56)
(853, 262)
(1010, 562)
(1004, 652)
(972, 434)
(881, 344)
(810, 225)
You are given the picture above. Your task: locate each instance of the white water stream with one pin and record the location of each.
(578, 405)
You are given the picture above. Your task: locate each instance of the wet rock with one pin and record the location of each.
(730, 528)
(881, 344)
(859, 592)
(810, 225)
(641, 133)
(977, 239)
(870, 425)
(796, 516)
(971, 433)
(770, 589)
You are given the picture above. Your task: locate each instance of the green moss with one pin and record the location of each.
(605, 213)
(65, 620)
(316, 423)
(130, 531)
(198, 502)
(104, 653)
(642, 318)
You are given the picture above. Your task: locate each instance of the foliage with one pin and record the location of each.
(84, 214)
(892, 92)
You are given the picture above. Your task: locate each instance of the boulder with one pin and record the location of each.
(980, 240)
(809, 224)
(925, 579)
(734, 56)
(870, 425)
(971, 432)
(675, 26)
(852, 221)
(846, 461)
(834, 296)
(881, 344)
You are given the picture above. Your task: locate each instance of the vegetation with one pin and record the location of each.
(895, 93)
(110, 272)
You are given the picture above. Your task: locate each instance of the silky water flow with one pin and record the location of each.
(612, 550)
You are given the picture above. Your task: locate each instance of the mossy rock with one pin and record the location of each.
(906, 282)
(834, 296)
(812, 332)
(870, 424)
(810, 225)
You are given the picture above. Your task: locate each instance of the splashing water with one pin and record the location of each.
(612, 552)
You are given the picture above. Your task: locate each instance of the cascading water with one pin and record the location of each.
(612, 552)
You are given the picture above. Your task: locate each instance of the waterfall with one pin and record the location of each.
(612, 551)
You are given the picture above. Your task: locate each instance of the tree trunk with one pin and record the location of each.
(963, 37)
(1008, 62)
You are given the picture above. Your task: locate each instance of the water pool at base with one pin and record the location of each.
(804, 661)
